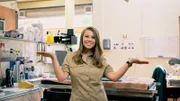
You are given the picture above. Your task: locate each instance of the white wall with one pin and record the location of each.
(54, 22)
(136, 18)
(57, 21)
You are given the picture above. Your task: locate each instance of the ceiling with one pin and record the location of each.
(30, 0)
(23, 0)
(29, 4)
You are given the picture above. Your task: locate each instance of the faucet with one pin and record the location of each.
(40, 48)
(172, 62)
(19, 70)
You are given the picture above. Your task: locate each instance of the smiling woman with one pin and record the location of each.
(86, 67)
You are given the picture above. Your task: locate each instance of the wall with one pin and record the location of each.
(57, 21)
(53, 23)
(137, 19)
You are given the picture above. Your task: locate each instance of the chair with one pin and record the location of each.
(159, 75)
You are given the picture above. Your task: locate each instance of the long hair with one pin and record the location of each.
(96, 50)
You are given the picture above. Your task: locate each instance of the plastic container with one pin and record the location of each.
(50, 38)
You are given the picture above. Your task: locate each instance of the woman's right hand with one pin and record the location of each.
(46, 54)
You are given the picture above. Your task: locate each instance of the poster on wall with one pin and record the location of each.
(123, 45)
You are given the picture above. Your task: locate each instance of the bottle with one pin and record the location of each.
(47, 36)
(8, 78)
(44, 37)
(21, 70)
(57, 37)
(12, 78)
(50, 38)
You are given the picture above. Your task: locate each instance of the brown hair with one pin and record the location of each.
(96, 50)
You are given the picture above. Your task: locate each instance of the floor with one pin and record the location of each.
(170, 99)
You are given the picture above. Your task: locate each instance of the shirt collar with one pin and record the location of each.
(90, 55)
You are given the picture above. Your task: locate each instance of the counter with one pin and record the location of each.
(173, 87)
(17, 93)
(114, 91)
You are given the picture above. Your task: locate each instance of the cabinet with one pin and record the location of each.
(10, 20)
(10, 17)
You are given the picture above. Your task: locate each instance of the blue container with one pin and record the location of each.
(11, 64)
(26, 75)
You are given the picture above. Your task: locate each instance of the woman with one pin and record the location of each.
(86, 67)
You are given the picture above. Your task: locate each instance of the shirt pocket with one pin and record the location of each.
(78, 69)
(79, 72)
(96, 74)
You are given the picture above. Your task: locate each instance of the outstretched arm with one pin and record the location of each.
(61, 76)
(114, 76)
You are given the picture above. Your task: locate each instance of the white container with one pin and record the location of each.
(6, 55)
(38, 35)
(30, 33)
(46, 75)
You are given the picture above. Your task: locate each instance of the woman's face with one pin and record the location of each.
(88, 39)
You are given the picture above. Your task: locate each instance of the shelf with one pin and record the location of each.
(16, 39)
(5, 59)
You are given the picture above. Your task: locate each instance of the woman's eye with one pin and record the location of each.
(90, 37)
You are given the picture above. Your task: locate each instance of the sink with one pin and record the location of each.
(173, 80)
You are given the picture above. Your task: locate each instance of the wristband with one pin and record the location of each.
(129, 64)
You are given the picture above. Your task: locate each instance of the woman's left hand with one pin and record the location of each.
(137, 61)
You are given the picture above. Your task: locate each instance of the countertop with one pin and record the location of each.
(112, 88)
(9, 93)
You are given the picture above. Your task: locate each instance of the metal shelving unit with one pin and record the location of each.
(17, 39)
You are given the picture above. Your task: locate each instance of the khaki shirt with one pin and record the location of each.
(86, 79)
